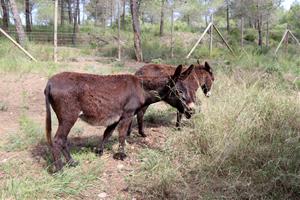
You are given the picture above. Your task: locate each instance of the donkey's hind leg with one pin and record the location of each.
(60, 142)
(107, 133)
(66, 152)
(123, 129)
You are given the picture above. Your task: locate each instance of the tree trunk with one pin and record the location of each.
(242, 32)
(70, 11)
(111, 12)
(259, 23)
(119, 26)
(19, 28)
(123, 14)
(75, 28)
(27, 16)
(62, 13)
(96, 13)
(78, 13)
(267, 34)
(136, 30)
(172, 30)
(31, 7)
(227, 16)
(83, 5)
(161, 27)
(5, 17)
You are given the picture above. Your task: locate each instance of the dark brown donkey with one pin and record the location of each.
(109, 101)
(202, 76)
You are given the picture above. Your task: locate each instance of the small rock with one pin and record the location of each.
(133, 198)
(102, 195)
(120, 166)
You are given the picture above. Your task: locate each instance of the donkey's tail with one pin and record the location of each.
(48, 114)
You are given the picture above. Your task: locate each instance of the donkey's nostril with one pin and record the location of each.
(191, 106)
(208, 94)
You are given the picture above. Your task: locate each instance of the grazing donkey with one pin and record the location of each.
(109, 101)
(202, 76)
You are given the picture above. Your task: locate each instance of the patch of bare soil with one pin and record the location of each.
(24, 93)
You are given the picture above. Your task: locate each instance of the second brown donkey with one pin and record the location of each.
(202, 76)
(109, 101)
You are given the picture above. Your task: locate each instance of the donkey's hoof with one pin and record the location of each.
(142, 134)
(99, 152)
(178, 127)
(55, 171)
(119, 156)
(72, 163)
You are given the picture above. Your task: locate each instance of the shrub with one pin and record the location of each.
(250, 35)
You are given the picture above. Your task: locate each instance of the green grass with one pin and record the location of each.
(156, 116)
(3, 106)
(13, 60)
(245, 144)
(25, 182)
(30, 133)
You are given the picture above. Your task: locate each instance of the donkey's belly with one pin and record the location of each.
(99, 120)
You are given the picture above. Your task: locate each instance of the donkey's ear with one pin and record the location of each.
(187, 72)
(207, 67)
(177, 73)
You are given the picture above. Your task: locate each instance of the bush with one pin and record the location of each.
(250, 35)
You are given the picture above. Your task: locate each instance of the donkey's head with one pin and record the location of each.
(177, 93)
(206, 78)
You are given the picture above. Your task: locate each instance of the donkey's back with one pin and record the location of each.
(98, 100)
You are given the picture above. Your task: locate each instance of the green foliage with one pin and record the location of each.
(250, 35)
(154, 50)
(293, 15)
(182, 27)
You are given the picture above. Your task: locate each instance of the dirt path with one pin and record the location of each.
(24, 94)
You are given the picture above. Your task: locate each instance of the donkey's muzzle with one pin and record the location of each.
(190, 110)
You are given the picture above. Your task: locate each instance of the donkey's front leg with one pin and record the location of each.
(178, 121)
(140, 120)
(122, 129)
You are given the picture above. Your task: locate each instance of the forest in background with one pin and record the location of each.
(94, 23)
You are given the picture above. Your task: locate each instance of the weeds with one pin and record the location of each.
(30, 133)
(244, 145)
(24, 183)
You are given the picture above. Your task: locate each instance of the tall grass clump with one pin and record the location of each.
(245, 145)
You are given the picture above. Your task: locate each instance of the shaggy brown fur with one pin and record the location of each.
(109, 101)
